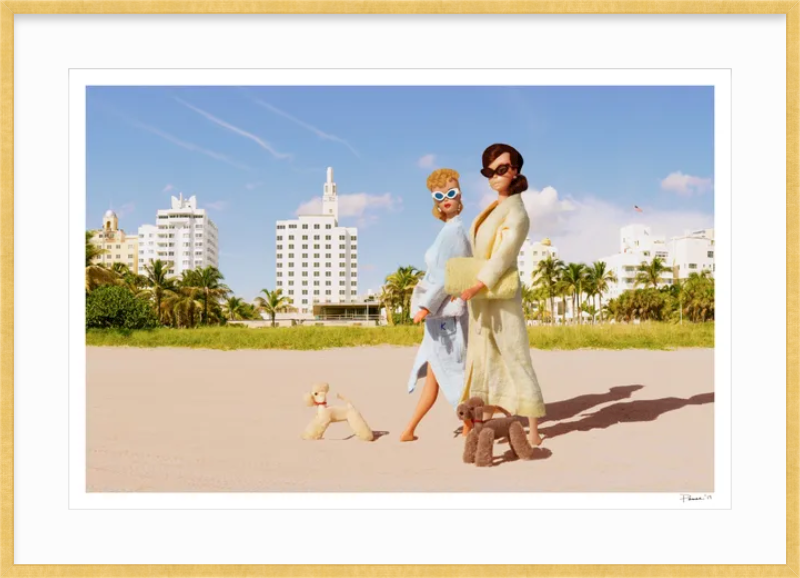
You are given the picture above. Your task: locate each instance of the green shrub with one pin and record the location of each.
(112, 306)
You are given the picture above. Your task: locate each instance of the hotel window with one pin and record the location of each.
(341, 255)
(692, 265)
(341, 273)
(305, 256)
(341, 282)
(353, 283)
(291, 247)
(327, 273)
(291, 237)
(316, 225)
(316, 255)
(290, 274)
(354, 256)
(341, 291)
(316, 237)
(327, 283)
(305, 237)
(305, 226)
(117, 247)
(304, 265)
(280, 283)
(327, 226)
(327, 237)
(646, 253)
(711, 254)
(327, 292)
(316, 265)
(305, 273)
(327, 247)
(316, 247)
(130, 255)
(279, 256)
(279, 273)
(291, 256)
(327, 265)
(305, 292)
(291, 282)
(316, 291)
(305, 283)
(291, 291)
(316, 273)
(353, 238)
(353, 274)
(305, 247)
(342, 265)
(292, 226)
(279, 247)
(279, 238)
(341, 237)
(327, 255)
(118, 257)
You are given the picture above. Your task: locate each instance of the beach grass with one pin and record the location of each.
(659, 336)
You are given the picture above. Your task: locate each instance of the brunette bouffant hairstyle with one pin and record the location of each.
(518, 185)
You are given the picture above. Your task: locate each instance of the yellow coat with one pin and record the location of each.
(498, 365)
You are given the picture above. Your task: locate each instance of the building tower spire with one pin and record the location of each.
(330, 201)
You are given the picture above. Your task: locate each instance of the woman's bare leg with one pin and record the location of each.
(533, 433)
(426, 400)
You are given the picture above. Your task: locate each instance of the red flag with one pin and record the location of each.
(637, 209)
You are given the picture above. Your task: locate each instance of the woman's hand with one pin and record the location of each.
(468, 294)
(423, 313)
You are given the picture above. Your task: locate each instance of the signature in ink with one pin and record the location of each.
(694, 498)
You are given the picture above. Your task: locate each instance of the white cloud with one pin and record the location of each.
(685, 185)
(167, 189)
(587, 229)
(427, 162)
(217, 205)
(362, 206)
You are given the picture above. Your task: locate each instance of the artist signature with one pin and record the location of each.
(694, 498)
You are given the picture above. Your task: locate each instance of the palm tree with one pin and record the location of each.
(134, 282)
(599, 277)
(529, 299)
(401, 283)
(547, 276)
(159, 284)
(572, 283)
(96, 274)
(272, 303)
(209, 280)
(184, 306)
(649, 274)
(235, 308)
(389, 302)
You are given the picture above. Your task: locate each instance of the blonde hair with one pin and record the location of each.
(438, 179)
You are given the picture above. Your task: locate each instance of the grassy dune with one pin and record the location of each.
(644, 336)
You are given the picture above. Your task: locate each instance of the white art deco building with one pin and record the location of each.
(183, 235)
(316, 260)
(529, 256)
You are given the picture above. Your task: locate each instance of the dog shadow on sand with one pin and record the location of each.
(621, 412)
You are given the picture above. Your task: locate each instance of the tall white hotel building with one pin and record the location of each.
(316, 260)
(183, 235)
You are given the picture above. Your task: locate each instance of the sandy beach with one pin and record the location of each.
(188, 420)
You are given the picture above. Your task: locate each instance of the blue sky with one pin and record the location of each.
(254, 155)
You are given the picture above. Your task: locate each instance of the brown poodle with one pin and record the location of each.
(479, 446)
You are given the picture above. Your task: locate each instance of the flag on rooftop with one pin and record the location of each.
(637, 209)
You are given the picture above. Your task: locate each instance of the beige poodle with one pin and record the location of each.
(328, 415)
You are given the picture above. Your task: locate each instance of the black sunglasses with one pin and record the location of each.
(499, 171)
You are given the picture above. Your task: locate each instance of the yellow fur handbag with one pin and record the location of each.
(462, 273)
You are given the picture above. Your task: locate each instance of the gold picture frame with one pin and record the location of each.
(8, 8)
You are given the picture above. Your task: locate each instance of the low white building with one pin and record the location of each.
(637, 246)
(530, 255)
(692, 252)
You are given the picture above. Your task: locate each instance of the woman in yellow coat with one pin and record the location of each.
(498, 365)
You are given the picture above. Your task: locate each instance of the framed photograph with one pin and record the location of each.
(318, 290)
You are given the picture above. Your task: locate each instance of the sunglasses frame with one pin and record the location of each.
(446, 195)
(489, 173)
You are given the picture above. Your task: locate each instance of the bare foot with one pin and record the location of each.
(408, 437)
(535, 439)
